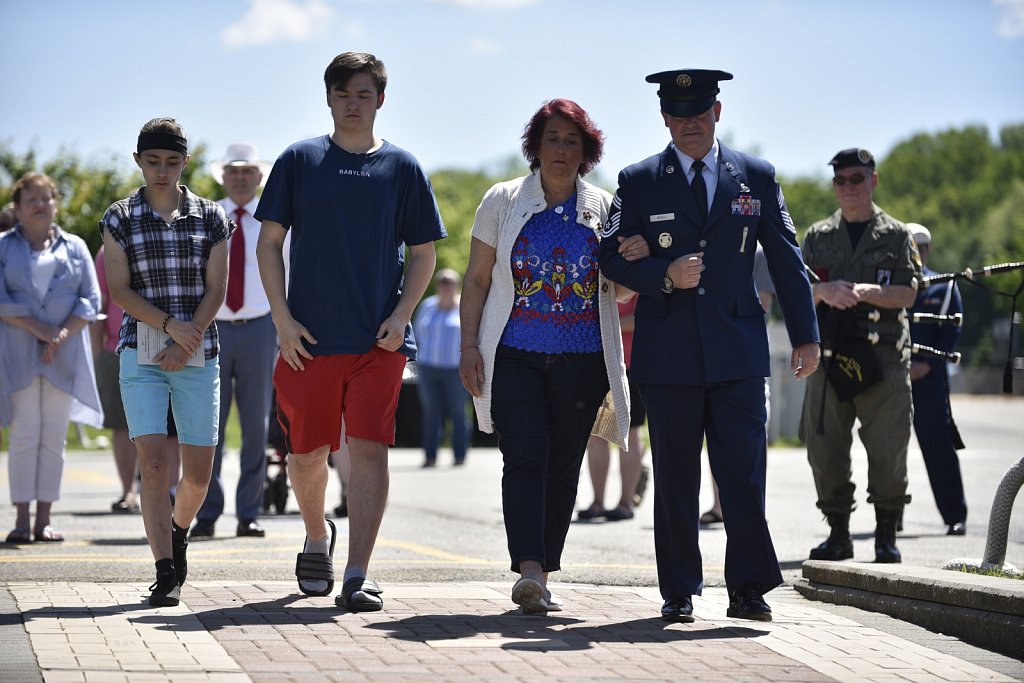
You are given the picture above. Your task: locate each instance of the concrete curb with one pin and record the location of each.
(986, 611)
(17, 660)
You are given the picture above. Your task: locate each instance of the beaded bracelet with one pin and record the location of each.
(166, 320)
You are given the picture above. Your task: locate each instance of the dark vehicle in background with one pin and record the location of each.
(408, 420)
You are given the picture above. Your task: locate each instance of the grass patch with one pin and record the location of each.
(1005, 572)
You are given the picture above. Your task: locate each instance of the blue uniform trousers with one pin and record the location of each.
(933, 426)
(247, 353)
(731, 415)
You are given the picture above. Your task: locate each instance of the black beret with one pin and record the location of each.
(688, 92)
(852, 157)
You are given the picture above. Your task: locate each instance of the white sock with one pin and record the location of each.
(321, 546)
(353, 572)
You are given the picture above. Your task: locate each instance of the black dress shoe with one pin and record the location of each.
(250, 528)
(833, 550)
(956, 529)
(203, 528)
(747, 603)
(679, 610)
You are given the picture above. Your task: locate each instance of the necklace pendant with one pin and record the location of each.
(559, 210)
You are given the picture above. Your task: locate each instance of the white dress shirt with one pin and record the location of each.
(710, 169)
(255, 304)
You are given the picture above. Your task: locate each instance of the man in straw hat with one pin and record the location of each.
(248, 345)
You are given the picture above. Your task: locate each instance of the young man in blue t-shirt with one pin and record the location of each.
(354, 204)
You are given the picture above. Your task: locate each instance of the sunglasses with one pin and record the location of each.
(856, 179)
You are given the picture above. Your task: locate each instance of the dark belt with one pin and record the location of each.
(243, 321)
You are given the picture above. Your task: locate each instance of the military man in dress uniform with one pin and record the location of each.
(700, 346)
(929, 376)
(869, 270)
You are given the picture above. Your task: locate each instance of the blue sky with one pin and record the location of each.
(811, 77)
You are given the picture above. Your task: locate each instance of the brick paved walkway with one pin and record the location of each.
(239, 631)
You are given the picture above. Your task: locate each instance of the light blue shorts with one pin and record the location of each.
(194, 395)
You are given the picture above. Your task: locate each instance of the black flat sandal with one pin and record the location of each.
(317, 567)
(360, 594)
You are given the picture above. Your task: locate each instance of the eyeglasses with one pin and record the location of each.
(856, 179)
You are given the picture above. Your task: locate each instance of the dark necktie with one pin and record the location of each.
(700, 189)
(236, 264)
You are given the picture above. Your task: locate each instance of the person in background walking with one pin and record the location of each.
(442, 396)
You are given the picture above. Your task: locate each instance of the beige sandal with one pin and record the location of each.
(48, 535)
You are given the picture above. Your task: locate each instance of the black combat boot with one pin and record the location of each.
(886, 551)
(838, 545)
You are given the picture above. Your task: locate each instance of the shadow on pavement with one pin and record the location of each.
(552, 633)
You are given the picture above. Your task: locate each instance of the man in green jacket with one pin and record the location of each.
(869, 271)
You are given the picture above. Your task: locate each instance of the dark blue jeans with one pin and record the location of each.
(443, 398)
(543, 407)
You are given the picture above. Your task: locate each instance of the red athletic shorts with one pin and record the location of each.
(362, 388)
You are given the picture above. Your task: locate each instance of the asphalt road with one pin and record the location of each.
(445, 524)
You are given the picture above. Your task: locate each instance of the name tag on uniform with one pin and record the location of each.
(746, 206)
(658, 217)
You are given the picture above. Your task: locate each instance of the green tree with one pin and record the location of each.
(458, 195)
(88, 187)
(808, 200)
(965, 187)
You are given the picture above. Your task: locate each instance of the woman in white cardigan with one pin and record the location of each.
(541, 346)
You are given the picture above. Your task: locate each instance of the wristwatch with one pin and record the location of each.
(667, 285)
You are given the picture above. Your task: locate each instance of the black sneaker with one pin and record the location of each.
(165, 590)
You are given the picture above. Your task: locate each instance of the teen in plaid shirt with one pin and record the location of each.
(166, 260)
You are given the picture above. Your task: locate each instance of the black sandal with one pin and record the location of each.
(360, 594)
(317, 566)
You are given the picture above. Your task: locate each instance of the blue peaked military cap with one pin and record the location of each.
(688, 92)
